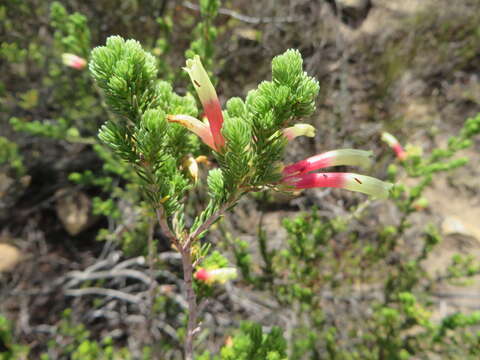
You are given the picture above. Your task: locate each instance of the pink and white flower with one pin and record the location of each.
(295, 176)
(350, 181)
(74, 61)
(298, 175)
(298, 130)
(395, 145)
(209, 99)
(210, 276)
(349, 157)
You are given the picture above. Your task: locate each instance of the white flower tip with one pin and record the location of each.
(352, 157)
(74, 61)
(190, 63)
(389, 139)
(305, 129)
(299, 130)
(201, 82)
(195, 69)
(368, 185)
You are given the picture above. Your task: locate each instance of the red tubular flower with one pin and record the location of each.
(297, 176)
(350, 157)
(395, 145)
(208, 97)
(354, 182)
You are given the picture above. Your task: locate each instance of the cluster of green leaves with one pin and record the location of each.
(251, 343)
(70, 91)
(76, 108)
(74, 341)
(9, 156)
(156, 149)
(205, 33)
(50, 100)
(255, 145)
(141, 135)
(463, 267)
(75, 112)
(8, 349)
(325, 260)
(13, 178)
(72, 34)
(255, 125)
(425, 167)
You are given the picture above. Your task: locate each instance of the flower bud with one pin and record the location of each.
(190, 165)
(208, 97)
(210, 276)
(74, 61)
(420, 204)
(394, 145)
(299, 130)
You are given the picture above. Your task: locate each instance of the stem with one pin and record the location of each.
(185, 250)
(186, 253)
(162, 220)
(153, 283)
(191, 300)
(207, 223)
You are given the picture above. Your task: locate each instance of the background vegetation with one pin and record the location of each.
(325, 274)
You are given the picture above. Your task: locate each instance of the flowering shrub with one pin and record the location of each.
(159, 154)
(248, 142)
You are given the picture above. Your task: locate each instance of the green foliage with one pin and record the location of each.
(75, 106)
(74, 341)
(9, 157)
(71, 31)
(215, 261)
(76, 103)
(327, 262)
(144, 155)
(441, 160)
(126, 73)
(273, 106)
(251, 159)
(155, 148)
(10, 350)
(205, 33)
(243, 258)
(11, 52)
(141, 136)
(463, 267)
(251, 343)
(45, 98)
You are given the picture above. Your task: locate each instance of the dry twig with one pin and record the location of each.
(245, 18)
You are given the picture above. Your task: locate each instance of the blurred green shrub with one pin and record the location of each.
(9, 350)
(73, 341)
(366, 295)
(251, 343)
(64, 104)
